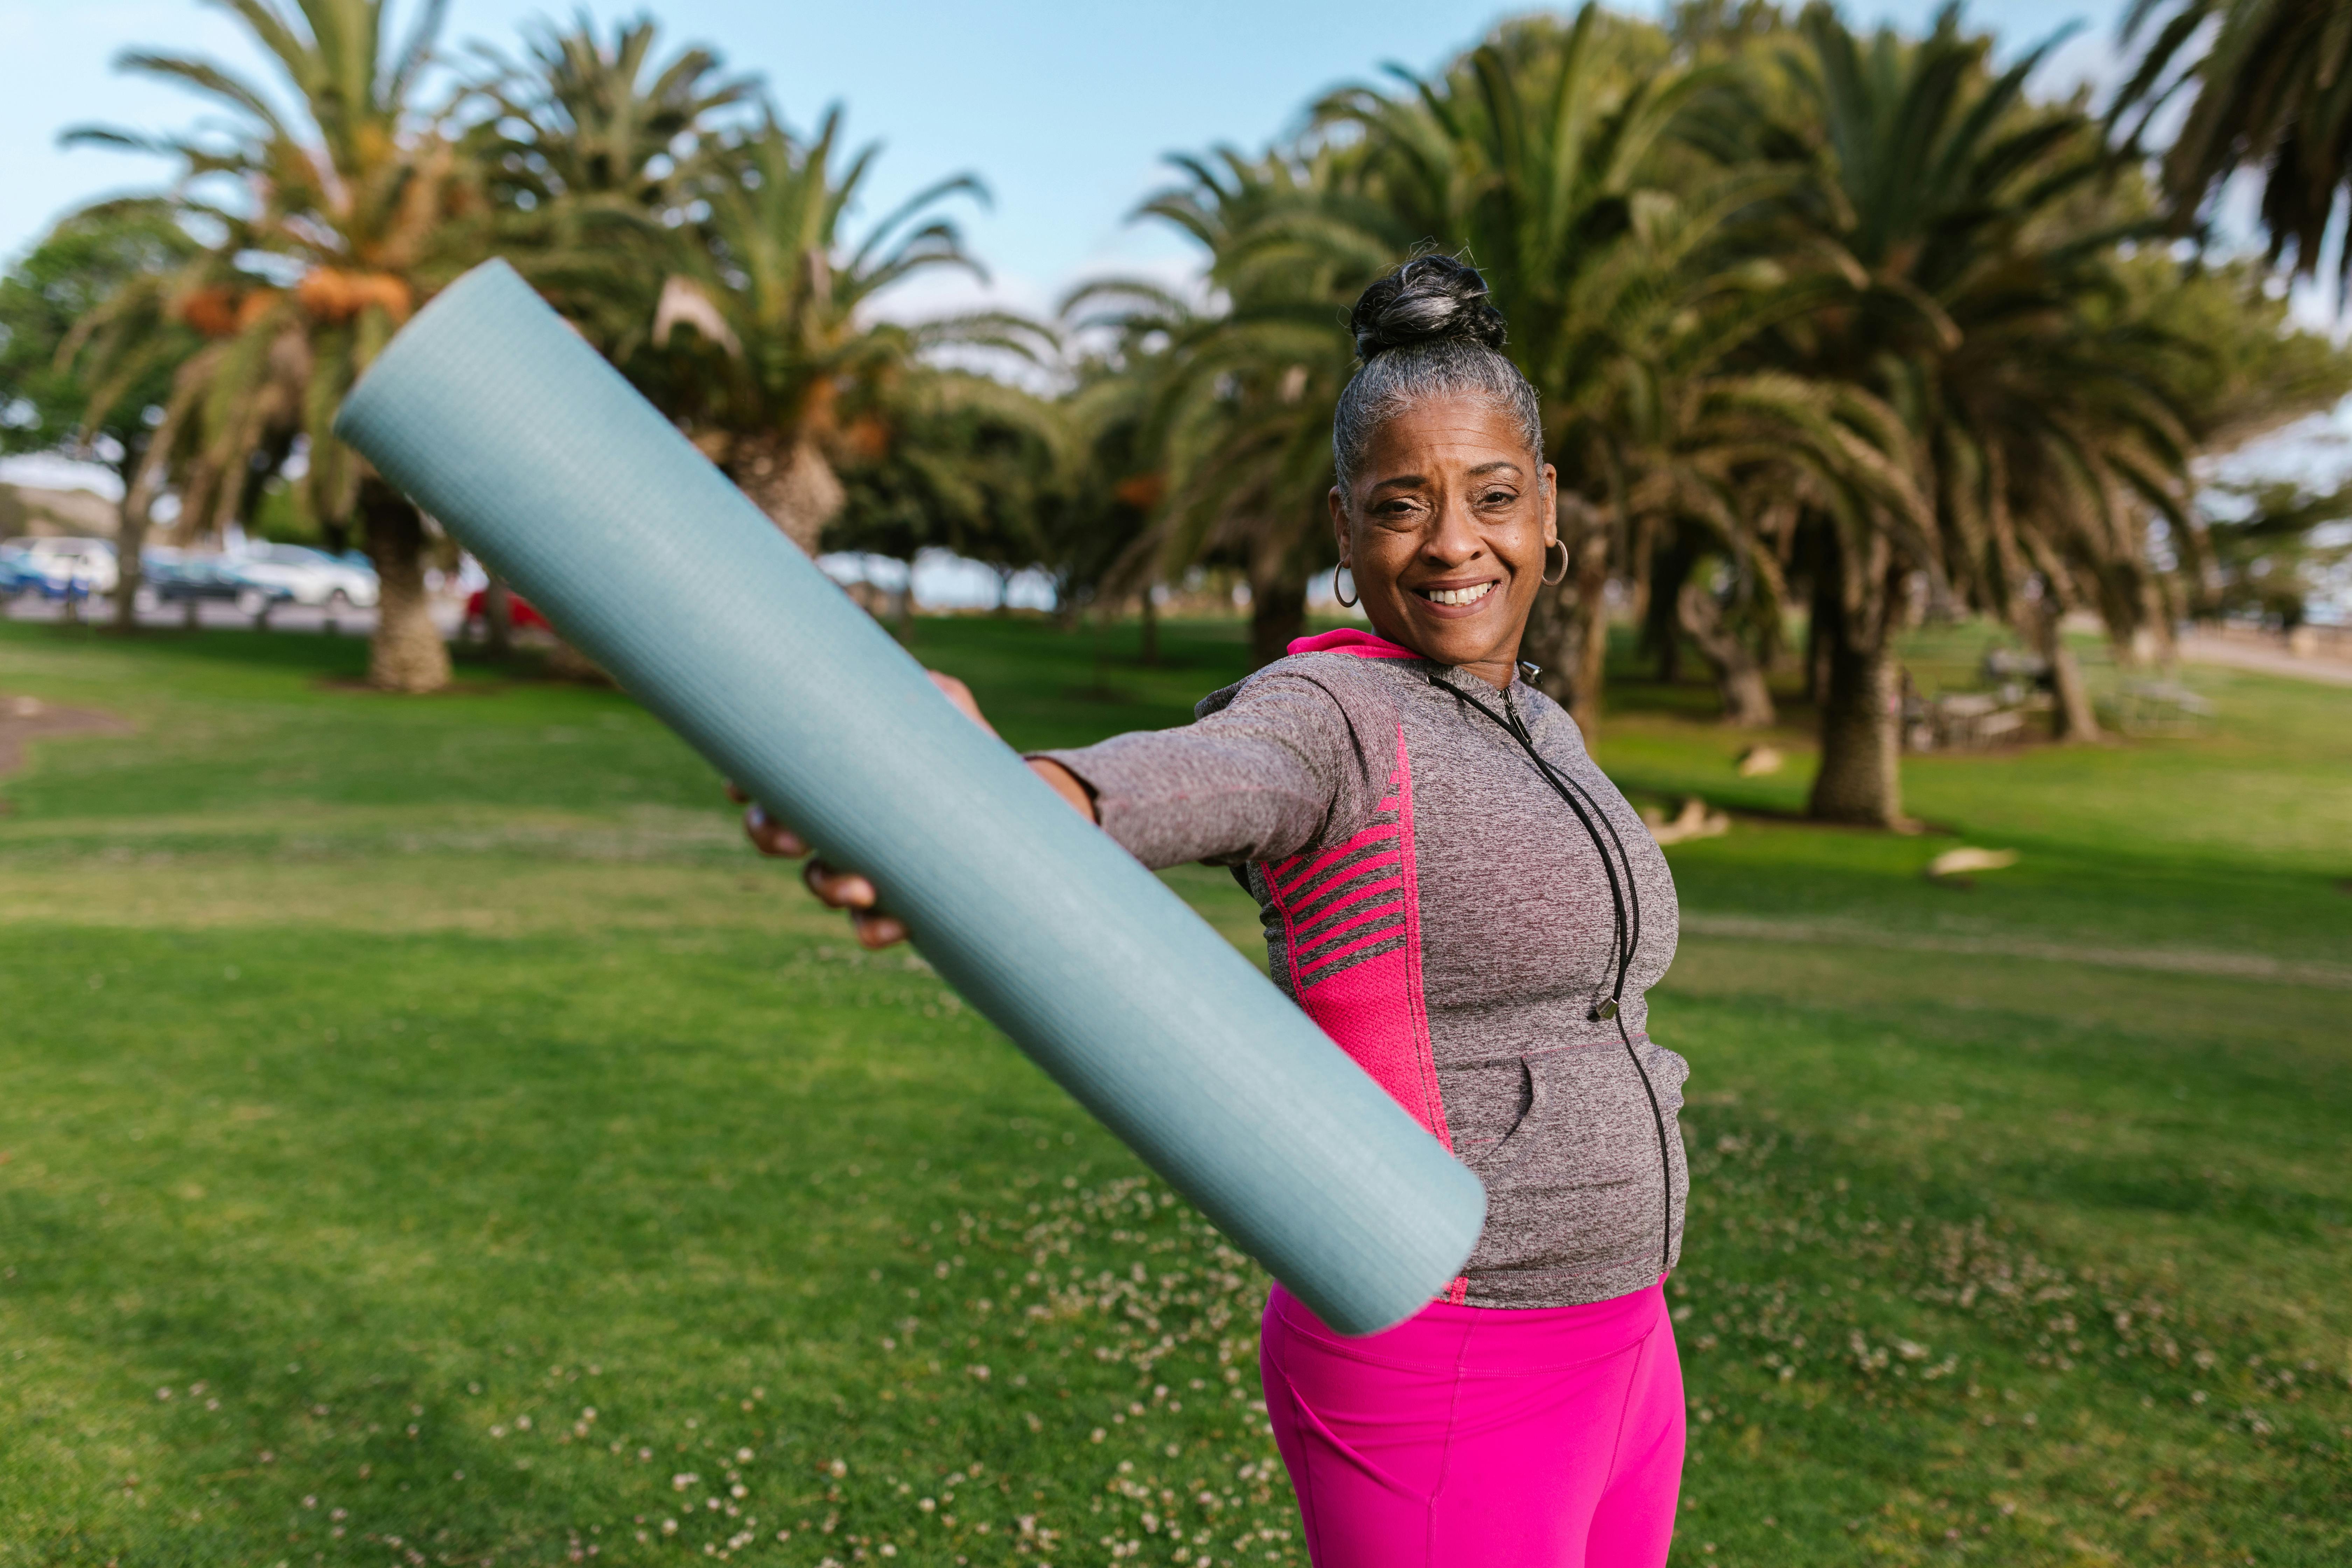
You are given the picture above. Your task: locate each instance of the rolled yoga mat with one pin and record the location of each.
(499, 420)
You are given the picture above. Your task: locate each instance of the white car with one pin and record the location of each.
(54, 567)
(304, 575)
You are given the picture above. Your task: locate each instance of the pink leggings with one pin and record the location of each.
(1506, 1438)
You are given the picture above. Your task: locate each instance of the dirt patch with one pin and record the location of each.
(24, 718)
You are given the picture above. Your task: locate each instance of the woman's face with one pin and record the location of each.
(1445, 532)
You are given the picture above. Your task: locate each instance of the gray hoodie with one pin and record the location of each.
(1432, 901)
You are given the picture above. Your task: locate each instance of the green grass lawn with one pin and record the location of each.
(428, 1136)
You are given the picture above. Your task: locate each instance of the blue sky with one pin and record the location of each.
(1065, 111)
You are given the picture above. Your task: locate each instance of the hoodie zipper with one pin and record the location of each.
(1625, 938)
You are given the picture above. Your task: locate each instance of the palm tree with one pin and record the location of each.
(965, 463)
(2056, 437)
(2268, 85)
(588, 151)
(1569, 165)
(782, 297)
(1108, 530)
(90, 351)
(2247, 372)
(1936, 194)
(1241, 401)
(2274, 548)
(352, 213)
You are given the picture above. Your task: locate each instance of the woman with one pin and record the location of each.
(1461, 898)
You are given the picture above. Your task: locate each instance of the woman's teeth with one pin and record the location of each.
(1458, 596)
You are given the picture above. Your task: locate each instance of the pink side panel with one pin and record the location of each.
(1374, 1009)
(1358, 1008)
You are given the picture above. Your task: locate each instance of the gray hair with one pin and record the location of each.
(1426, 330)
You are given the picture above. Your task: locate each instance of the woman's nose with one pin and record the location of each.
(1454, 537)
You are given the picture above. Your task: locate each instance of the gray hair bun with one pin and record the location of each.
(1428, 300)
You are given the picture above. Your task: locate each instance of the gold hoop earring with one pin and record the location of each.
(1344, 604)
(1553, 576)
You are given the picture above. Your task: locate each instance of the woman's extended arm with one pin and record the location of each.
(1259, 779)
(850, 890)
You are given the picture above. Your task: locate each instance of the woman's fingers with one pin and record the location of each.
(769, 837)
(772, 837)
(960, 695)
(878, 931)
(842, 889)
(848, 891)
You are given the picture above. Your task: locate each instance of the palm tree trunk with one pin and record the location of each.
(902, 599)
(1150, 610)
(1747, 701)
(497, 618)
(406, 653)
(1278, 610)
(2072, 717)
(1660, 624)
(788, 478)
(1817, 647)
(130, 538)
(1592, 646)
(1860, 779)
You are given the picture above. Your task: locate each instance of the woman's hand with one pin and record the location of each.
(851, 891)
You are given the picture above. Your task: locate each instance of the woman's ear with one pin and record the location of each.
(1550, 490)
(1338, 505)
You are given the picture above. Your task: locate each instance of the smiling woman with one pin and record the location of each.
(1454, 891)
(1445, 510)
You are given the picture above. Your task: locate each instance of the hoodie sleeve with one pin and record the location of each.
(1277, 769)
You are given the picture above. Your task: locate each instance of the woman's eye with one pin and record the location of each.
(1497, 498)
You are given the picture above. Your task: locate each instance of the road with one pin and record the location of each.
(296, 618)
(2271, 660)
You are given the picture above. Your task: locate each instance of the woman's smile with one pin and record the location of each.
(1457, 599)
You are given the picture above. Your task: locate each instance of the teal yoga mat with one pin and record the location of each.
(500, 422)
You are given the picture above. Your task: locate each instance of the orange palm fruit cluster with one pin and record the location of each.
(332, 294)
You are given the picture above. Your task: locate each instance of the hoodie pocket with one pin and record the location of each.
(1575, 1186)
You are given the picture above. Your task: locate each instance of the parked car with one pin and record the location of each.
(173, 576)
(520, 616)
(302, 574)
(55, 568)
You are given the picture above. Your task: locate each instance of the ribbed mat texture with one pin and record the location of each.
(500, 422)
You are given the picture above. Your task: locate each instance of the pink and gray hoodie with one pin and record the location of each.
(1431, 899)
